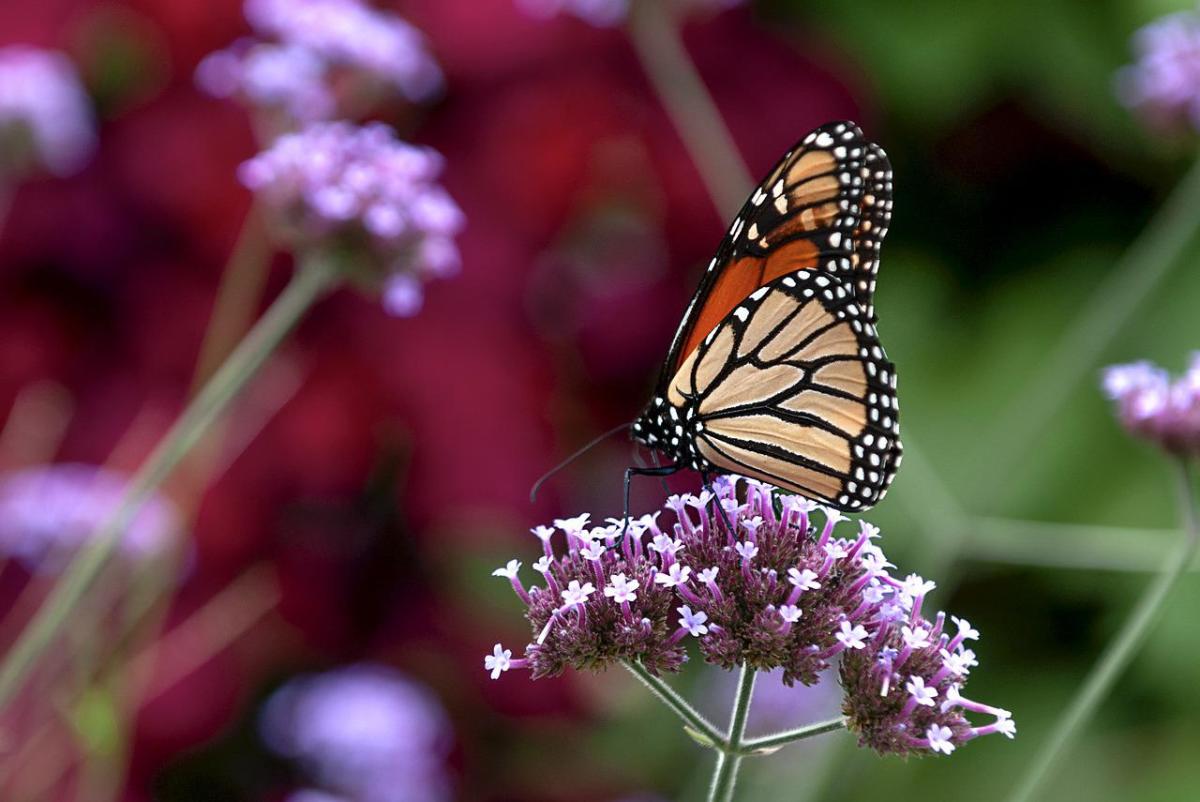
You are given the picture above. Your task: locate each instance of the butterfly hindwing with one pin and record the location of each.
(793, 388)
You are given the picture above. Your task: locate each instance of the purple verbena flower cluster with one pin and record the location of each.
(1153, 407)
(903, 686)
(48, 512)
(365, 732)
(753, 578)
(45, 115)
(1164, 83)
(359, 189)
(286, 78)
(312, 52)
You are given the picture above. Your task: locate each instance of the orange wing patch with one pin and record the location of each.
(741, 278)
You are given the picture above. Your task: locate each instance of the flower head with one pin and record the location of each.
(1164, 82)
(903, 691)
(359, 188)
(47, 512)
(45, 115)
(781, 602)
(1153, 407)
(288, 79)
(364, 731)
(351, 34)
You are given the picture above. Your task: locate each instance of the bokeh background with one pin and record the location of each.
(365, 487)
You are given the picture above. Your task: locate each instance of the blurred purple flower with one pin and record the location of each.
(1164, 83)
(365, 731)
(1154, 408)
(286, 78)
(758, 584)
(45, 115)
(351, 34)
(47, 512)
(312, 795)
(360, 188)
(776, 706)
(606, 13)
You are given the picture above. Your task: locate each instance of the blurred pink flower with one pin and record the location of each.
(48, 512)
(1164, 82)
(288, 78)
(352, 34)
(365, 731)
(1155, 408)
(45, 115)
(336, 184)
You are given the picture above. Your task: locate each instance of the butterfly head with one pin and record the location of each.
(670, 430)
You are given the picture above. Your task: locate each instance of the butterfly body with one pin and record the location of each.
(776, 371)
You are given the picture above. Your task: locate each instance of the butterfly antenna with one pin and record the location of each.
(533, 491)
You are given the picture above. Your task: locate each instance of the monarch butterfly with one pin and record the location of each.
(776, 371)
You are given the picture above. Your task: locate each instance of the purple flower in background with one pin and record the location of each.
(769, 589)
(1164, 83)
(359, 189)
(45, 115)
(350, 34)
(606, 13)
(365, 731)
(776, 706)
(1153, 407)
(47, 512)
(285, 78)
(311, 795)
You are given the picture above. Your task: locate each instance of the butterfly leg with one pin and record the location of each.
(658, 470)
(707, 479)
(662, 479)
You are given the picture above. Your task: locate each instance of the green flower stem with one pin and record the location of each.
(729, 760)
(238, 296)
(1135, 276)
(1119, 652)
(772, 742)
(655, 36)
(691, 717)
(313, 278)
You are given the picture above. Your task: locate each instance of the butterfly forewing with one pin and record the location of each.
(825, 205)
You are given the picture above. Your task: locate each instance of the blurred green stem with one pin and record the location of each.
(238, 296)
(314, 276)
(772, 742)
(654, 33)
(691, 717)
(1139, 271)
(1119, 652)
(1076, 547)
(729, 760)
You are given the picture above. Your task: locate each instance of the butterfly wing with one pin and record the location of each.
(826, 205)
(793, 388)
